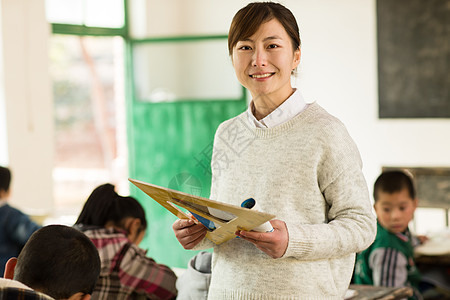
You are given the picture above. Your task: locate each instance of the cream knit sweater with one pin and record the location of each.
(307, 172)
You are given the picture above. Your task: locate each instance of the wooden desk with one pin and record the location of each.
(370, 292)
(441, 260)
(435, 270)
(435, 250)
(433, 261)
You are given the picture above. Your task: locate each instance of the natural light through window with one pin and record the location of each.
(87, 74)
(86, 12)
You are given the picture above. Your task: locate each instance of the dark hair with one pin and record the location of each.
(104, 205)
(249, 18)
(392, 182)
(5, 179)
(59, 261)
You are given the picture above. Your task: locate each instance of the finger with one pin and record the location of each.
(182, 223)
(190, 232)
(277, 224)
(254, 235)
(189, 241)
(265, 241)
(194, 240)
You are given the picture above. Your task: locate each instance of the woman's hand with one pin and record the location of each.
(188, 233)
(272, 243)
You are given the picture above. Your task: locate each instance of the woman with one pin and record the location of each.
(298, 162)
(116, 225)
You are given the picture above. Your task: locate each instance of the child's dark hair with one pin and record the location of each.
(59, 261)
(104, 205)
(392, 182)
(5, 179)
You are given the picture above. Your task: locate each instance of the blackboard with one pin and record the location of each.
(413, 58)
(432, 185)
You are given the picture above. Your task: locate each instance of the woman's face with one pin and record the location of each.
(263, 62)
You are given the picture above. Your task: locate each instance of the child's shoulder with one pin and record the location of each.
(384, 239)
(387, 239)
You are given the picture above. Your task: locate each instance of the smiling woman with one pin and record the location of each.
(297, 161)
(263, 64)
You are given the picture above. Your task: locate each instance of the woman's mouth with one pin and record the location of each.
(258, 76)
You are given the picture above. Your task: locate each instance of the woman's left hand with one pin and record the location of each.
(272, 243)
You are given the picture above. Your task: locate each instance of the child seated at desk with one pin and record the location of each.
(389, 261)
(15, 226)
(116, 225)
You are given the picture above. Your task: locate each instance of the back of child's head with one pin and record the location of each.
(105, 205)
(392, 182)
(5, 179)
(59, 261)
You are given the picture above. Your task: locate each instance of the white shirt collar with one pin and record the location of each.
(290, 108)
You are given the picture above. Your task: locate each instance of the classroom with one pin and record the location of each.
(106, 90)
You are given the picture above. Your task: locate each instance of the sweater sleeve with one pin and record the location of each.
(351, 224)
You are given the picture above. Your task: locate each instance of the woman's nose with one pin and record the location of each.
(259, 58)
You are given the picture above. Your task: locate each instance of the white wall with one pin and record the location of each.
(4, 161)
(28, 103)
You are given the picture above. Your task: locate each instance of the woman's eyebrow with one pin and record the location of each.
(273, 37)
(269, 38)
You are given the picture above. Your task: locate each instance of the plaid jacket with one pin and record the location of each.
(12, 293)
(126, 271)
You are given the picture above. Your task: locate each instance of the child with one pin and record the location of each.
(298, 162)
(116, 225)
(389, 261)
(58, 261)
(15, 226)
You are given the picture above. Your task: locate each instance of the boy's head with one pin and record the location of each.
(5, 180)
(395, 200)
(59, 261)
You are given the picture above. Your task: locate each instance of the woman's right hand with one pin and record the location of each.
(188, 233)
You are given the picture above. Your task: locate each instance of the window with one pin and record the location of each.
(184, 69)
(87, 70)
(90, 13)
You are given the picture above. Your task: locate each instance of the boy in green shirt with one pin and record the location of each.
(389, 261)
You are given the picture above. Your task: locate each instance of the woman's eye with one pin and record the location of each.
(273, 46)
(244, 48)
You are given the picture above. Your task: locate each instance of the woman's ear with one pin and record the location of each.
(297, 57)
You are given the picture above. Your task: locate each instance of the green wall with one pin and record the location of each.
(170, 145)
